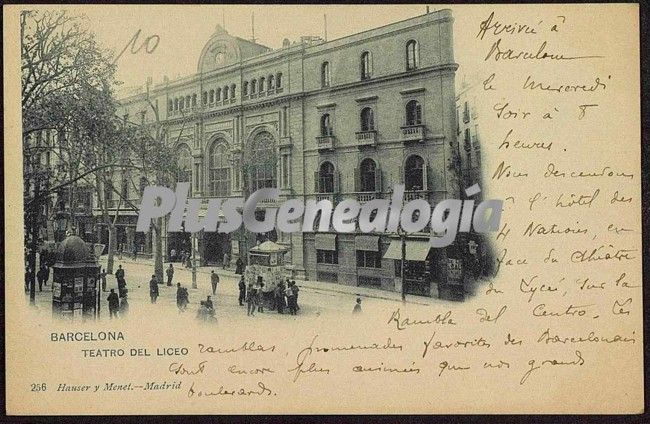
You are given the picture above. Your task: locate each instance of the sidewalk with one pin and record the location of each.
(310, 285)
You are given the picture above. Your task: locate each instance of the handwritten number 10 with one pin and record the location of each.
(150, 44)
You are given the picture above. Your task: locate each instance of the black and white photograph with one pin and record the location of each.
(272, 209)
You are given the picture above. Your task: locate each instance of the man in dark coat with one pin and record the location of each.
(153, 289)
(182, 297)
(239, 266)
(47, 271)
(113, 303)
(40, 276)
(119, 274)
(242, 291)
(279, 297)
(103, 278)
(214, 279)
(170, 274)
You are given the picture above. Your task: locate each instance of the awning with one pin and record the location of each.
(326, 241)
(367, 243)
(415, 250)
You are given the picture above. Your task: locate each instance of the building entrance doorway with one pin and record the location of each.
(177, 243)
(214, 246)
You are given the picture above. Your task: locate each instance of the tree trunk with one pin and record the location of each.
(112, 241)
(158, 251)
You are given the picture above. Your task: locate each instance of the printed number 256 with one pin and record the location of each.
(39, 387)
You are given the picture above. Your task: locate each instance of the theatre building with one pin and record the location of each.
(339, 119)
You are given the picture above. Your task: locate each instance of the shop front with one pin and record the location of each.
(418, 278)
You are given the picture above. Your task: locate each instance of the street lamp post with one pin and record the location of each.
(402, 237)
(193, 262)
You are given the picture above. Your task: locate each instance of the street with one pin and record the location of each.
(330, 300)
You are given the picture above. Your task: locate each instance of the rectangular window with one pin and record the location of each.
(327, 256)
(368, 259)
(220, 179)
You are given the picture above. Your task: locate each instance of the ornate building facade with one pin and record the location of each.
(347, 118)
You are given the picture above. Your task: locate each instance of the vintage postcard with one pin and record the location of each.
(252, 209)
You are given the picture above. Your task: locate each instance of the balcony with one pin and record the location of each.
(413, 133)
(363, 197)
(325, 196)
(325, 142)
(367, 138)
(416, 194)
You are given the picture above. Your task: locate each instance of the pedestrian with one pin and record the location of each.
(357, 307)
(182, 298)
(170, 275)
(214, 279)
(251, 296)
(242, 291)
(119, 274)
(268, 295)
(208, 303)
(291, 299)
(280, 303)
(121, 281)
(47, 269)
(40, 276)
(172, 255)
(179, 297)
(226, 260)
(113, 303)
(153, 289)
(124, 306)
(103, 278)
(239, 266)
(296, 290)
(135, 252)
(260, 299)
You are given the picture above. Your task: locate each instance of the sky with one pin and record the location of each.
(184, 30)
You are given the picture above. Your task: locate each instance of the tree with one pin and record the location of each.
(151, 153)
(62, 69)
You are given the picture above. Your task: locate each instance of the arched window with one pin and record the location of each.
(211, 96)
(278, 80)
(193, 100)
(367, 119)
(366, 65)
(414, 173)
(262, 85)
(217, 95)
(413, 113)
(412, 55)
(175, 104)
(171, 105)
(325, 125)
(245, 89)
(204, 97)
(225, 93)
(253, 86)
(233, 88)
(219, 173)
(367, 177)
(325, 74)
(262, 162)
(326, 178)
(181, 103)
(184, 156)
(188, 100)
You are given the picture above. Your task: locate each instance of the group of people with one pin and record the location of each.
(184, 257)
(279, 297)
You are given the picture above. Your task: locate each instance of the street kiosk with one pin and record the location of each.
(75, 291)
